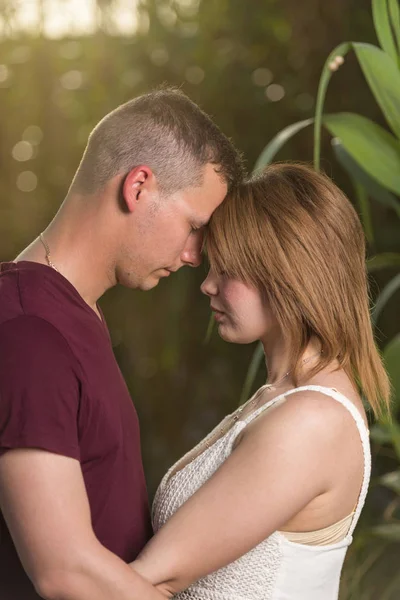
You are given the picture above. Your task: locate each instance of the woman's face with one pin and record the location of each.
(241, 311)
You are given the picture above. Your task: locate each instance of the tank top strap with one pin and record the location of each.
(265, 406)
(362, 430)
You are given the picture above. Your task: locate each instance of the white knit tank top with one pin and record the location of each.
(276, 569)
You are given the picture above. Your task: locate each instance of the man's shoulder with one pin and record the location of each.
(31, 338)
(22, 289)
(42, 310)
(10, 298)
(28, 320)
(29, 289)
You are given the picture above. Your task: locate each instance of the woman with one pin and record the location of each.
(265, 506)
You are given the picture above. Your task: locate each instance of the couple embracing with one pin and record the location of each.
(264, 508)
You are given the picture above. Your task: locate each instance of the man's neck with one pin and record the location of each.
(75, 254)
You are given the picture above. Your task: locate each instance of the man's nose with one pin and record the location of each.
(191, 254)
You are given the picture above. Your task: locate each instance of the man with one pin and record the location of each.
(73, 501)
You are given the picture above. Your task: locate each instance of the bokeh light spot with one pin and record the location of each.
(72, 80)
(275, 92)
(262, 77)
(159, 56)
(27, 181)
(167, 16)
(22, 151)
(33, 134)
(4, 73)
(194, 75)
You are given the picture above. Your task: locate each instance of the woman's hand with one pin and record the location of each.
(140, 567)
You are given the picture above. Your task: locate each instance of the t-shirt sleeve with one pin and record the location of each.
(39, 388)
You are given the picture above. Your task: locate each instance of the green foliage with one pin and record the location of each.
(376, 150)
(281, 138)
(371, 187)
(371, 157)
(340, 51)
(392, 361)
(388, 291)
(383, 77)
(383, 27)
(369, 153)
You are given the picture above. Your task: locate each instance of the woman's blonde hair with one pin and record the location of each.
(293, 234)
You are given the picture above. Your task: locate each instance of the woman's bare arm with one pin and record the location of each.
(281, 463)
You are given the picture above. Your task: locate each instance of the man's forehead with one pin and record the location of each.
(203, 207)
(202, 200)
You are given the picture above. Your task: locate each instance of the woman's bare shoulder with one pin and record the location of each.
(306, 412)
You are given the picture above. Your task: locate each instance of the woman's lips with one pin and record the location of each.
(218, 314)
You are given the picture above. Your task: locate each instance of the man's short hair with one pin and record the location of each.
(164, 130)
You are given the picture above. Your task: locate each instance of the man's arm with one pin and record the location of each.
(44, 502)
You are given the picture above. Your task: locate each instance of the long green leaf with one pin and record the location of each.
(326, 75)
(391, 356)
(210, 329)
(370, 145)
(394, 430)
(365, 210)
(384, 297)
(347, 163)
(391, 480)
(391, 588)
(382, 27)
(252, 372)
(278, 142)
(389, 531)
(374, 189)
(394, 14)
(383, 261)
(380, 433)
(383, 77)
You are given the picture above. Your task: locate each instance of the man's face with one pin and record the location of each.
(168, 232)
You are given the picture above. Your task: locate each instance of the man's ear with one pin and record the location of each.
(135, 183)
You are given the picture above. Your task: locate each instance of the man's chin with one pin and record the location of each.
(149, 283)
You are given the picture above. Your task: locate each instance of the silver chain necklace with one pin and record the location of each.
(223, 429)
(46, 247)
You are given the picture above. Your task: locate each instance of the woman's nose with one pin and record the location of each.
(209, 286)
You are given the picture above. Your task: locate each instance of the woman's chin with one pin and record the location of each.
(234, 337)
(225, 334)
(230, 336)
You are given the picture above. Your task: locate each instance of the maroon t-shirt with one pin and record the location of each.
(61, 390)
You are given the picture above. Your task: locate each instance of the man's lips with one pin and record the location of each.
(168, 271)
(215, 309)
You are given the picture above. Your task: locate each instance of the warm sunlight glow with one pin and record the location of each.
(57, 18)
